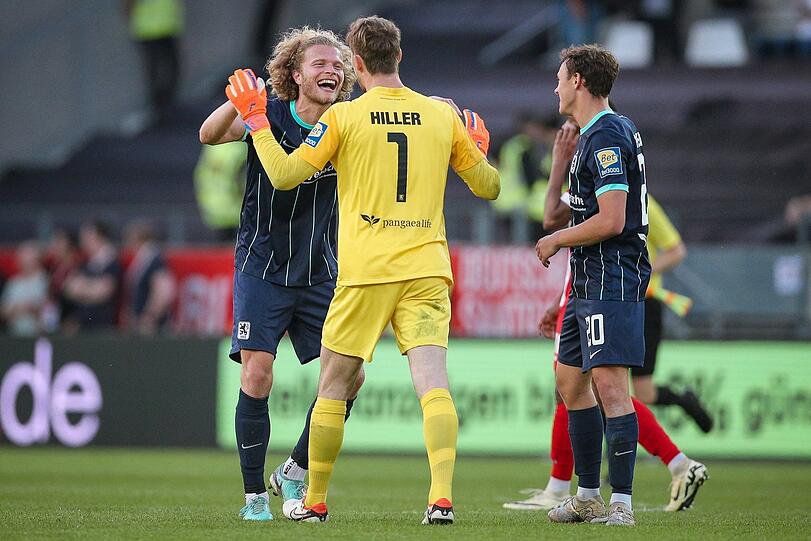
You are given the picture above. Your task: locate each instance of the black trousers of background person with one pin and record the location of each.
(265, 30)
(162, 69)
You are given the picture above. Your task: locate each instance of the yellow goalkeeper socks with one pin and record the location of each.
(440, 427)
(326, 437)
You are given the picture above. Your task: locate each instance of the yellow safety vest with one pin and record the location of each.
(156, 19)
(515, 194)
(219, 184)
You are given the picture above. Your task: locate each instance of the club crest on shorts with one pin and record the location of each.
(244, 330)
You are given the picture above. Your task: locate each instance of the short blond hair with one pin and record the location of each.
(377, 41)
(289, 52)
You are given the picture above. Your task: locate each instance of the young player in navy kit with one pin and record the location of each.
(603, 328)
(286, 254)
(687, 474)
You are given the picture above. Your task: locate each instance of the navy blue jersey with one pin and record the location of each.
(609, 157)
(288, 237)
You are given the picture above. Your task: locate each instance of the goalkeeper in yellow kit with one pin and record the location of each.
(391, 149)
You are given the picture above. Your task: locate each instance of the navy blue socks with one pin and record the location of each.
(586, 433)
(622, 434)
(253, 434)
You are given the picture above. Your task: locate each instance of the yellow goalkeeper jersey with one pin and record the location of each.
(391, 148)
(662, 235)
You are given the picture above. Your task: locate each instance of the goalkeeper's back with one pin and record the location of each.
(391, 149)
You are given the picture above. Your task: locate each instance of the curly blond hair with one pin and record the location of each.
(289, 52)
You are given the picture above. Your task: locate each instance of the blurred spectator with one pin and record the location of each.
(2, 288)
(798, 217)
(62, 258)
(267, 22)
(803, 29)
(580, 20)
(149, 284)
(156, 26)
(524, 162)
(664, 17)
(219, 183)
(783, 27)
(93, 288)
(793, 226)
(26, 293)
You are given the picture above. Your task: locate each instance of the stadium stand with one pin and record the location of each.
(707, 133)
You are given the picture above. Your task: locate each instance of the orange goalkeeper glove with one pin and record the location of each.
(477, 131)
(249, 97)
(680, 304)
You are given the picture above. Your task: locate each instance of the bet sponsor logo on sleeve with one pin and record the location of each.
(316, 134)
(608, 161)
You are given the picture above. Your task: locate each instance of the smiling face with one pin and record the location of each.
(565, 90)
(320, 75)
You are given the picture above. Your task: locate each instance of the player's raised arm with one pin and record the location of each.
(451, 103)
(482, 179)
(285, 171)
(223, 125)
(557, 213)
(469, 157)
(611, 194)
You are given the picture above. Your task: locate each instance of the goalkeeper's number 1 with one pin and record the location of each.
(402, 163)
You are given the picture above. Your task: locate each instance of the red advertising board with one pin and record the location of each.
(499, 291)
(502, 291)
(204, 282)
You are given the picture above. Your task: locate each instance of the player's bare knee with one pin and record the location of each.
(574, 395)
(428, 366)
(572, 390)
(257, 383)
(606, 387)
(576, 399)
(564, 390)
(339, 375)
(358, 382)
(644, 391)
(257, 373)
(613, 391)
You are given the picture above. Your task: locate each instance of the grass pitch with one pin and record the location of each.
(185, 494)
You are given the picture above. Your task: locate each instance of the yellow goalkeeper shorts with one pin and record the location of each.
(419, 311)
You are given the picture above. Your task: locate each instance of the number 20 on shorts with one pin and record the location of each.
(595, 330)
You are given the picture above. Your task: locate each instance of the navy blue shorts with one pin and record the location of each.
(264, 311)
(602, 333)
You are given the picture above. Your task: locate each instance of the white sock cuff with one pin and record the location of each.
(293, 471)
(558, 485)
(623, 498)
(250, 495)
(677, 463)
(587, 493)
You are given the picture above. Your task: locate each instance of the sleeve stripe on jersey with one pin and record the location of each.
(610, 187)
